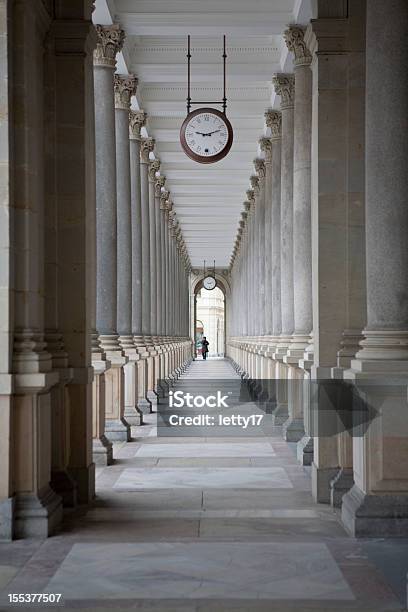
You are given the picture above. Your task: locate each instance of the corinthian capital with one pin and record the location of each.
(125, 87)
(254, 180)
(259, 166)
(110, 42)
(159, 183)
(266, 147)
(273, 120)
(146, 147)
(154, 166)
(251, 197)
(294, 38)
(137, 119)
(164, 196)
(285, 88)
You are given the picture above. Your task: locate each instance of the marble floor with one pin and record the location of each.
(206, 524)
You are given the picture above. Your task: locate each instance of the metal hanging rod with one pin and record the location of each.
(223, 102)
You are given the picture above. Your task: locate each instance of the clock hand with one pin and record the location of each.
(214, 132)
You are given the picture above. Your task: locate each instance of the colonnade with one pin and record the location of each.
(94, 269)
(322, 245)
(95, 277)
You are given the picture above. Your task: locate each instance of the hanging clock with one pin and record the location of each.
(209, 283)
(206, 135)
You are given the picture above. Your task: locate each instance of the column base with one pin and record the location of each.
(321, 478)
(377, 516)
(339, 486)
(7, 510)
(117, 430)
(144, 405)
(304, 450)
(102, 452)
(293, 430)
(85, 480)
(152, 398)
(134, 415)
(62, 483)
(280, 414)
(37, 516)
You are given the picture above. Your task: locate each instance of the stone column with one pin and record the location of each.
(164, 196)
(255, 276)
(266, 147)
(74, 198)
(377, 505)
(260, 170)
(110, 41)
(302, 213)
(137, 120)
(168, 267)
(153, 169)
(251, 285)
(6, 291)
(284, 87)
(36, 509)
(293, 428)
(158, 186)
(274, 122)
(146, 147)
(61, 481)
(259, 165)
(336, 206)
(125, 88)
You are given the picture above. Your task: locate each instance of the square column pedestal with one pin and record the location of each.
(116, 426)
(377, 504)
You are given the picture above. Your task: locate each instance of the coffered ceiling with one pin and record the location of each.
(208, 199)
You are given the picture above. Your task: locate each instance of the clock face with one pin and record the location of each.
(209, 283)
(206, 135)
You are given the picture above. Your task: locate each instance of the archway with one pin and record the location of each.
(210, 317)
(210, 312)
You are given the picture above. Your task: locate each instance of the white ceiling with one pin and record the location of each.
(207, 199)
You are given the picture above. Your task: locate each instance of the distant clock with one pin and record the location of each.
(206, 135)
(209, 283)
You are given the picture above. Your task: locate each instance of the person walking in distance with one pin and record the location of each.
(204, 344)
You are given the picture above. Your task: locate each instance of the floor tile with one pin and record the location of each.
(200, 570)
(223, 478)
(261, 449)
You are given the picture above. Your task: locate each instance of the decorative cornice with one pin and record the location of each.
(266, 147)
(146, 147)
(154, 166)
(285, 88)
(137, 119)
(124, 86)
(159, 183)
(273, 120)
(110, 42)
(259, 166)
(295, 42)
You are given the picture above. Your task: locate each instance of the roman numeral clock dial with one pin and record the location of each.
(206, 135)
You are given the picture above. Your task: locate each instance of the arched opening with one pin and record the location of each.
(210, 319)
(211, 314)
